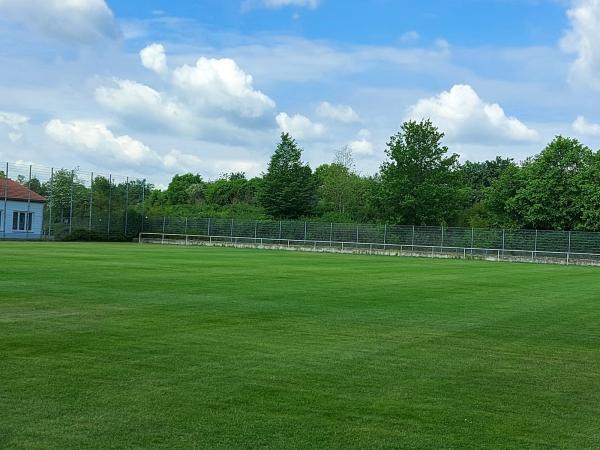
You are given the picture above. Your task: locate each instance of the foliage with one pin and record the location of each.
(183, 189)
(289, 189)
(420, 181)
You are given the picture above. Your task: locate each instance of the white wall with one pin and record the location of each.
(6, 222)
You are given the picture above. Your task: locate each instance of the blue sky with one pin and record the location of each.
(158, 87)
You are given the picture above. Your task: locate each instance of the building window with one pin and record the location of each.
(22, 220)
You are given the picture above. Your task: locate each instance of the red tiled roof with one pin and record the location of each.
(15, 191)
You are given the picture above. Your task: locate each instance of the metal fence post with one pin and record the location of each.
(28, 224)
(91, 200)
(305, 231)
(231, 230)
(50, 201)
(442, 244)
(384, 235)
(280, 230)
(472, 240)
(143, 203)
(413, 240)
(186, 227)
(535, 244)
(71, 202)
(503, 241)
(164, 223)
(331, 234)
(126, 204)
(109, 204)
(208, 228)
(5, 201)
(357, 237)
(569, 249)
(255, 231)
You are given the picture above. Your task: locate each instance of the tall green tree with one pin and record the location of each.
(420, 183)
(549, 198)
(288, 189)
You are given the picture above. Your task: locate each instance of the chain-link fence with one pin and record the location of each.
(50, 203)
(530, 245)
(39, 202)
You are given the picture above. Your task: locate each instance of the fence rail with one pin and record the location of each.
(530, 245)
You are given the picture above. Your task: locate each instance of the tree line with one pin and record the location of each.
(421, 182)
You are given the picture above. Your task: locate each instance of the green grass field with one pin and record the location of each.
(128, 346)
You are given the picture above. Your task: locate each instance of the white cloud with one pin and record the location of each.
(339, 113)
(221, 84)
(299, 126)
(80, 21)
(583, 127)
(96, 140)
(582, 39)
(362, 146)
(153, 58)
(466, 118)
(99, 144)
(14, 122)
(142, 103)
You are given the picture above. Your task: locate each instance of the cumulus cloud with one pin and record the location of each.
(99, 142)
(81, 21)
(96, 141)
(339, 113)
(221, 84)
(14, 122)
(299, 126)
(583, 127)
(466, 118)
(154, 58)
(582, 39)
(362, 146)
(140, 102)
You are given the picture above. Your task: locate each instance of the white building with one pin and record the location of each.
(21, 211)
